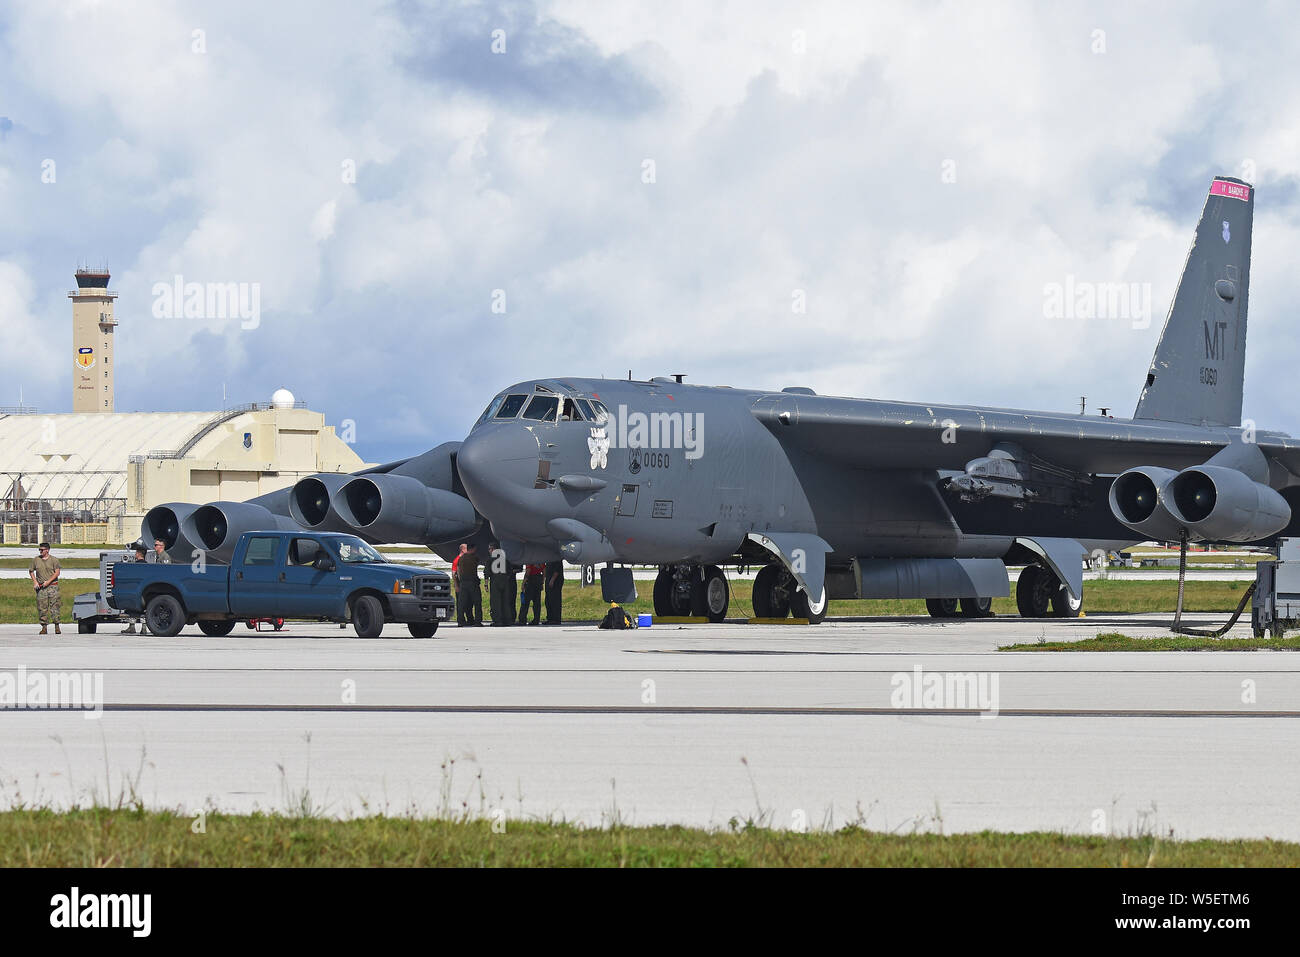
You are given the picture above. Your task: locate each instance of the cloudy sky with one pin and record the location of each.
(866, 200)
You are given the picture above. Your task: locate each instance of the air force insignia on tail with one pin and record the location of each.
(1227, 233)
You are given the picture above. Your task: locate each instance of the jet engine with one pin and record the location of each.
(1136, 499)
(216, 527)
(311, 498)
(398, 508)
(167, 522)
(1224, 505)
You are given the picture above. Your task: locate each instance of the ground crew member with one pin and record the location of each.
(44, 572)
(501, 586)
(455, 584)
(554, 591)
(470, 592)
(532, 593)
(160, 555)
(141, 555)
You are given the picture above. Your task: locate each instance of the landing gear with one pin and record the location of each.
(710, 595)
(801, 607)
(673, 592)
(774, 589)
(1040, 593)
(977, 607)
(941, 607)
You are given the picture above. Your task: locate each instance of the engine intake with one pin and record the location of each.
(167, 522)
(1224, 505)
(311, 498)
(1136, 499)
(216, 527)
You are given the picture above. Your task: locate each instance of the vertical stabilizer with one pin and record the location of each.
(1197, 372)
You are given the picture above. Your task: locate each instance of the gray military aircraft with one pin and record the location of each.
(835, 498)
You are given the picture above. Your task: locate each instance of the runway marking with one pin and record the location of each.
(664, 710)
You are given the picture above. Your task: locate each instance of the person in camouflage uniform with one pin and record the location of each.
(160, 555)
(44, 572)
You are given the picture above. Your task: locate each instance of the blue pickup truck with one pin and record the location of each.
(310, 575)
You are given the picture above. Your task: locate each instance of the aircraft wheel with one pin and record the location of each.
(1034, 591)
(773, 588)
(941, 607)
(217, 628)
(664, 593)
(367, 617)
(423, 629)
(801, 607)
(1063, 606)
(977, 607)
(710, 597)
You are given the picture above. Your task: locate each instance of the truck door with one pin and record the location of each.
(307, 592)
(255, 580)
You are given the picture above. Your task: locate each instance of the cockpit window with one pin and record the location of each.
(542, 408)
(601, 413)
(585, 406)
(569, 412)
(491, 410)
(511, 406)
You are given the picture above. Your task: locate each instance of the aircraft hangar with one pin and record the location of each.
(74, 478)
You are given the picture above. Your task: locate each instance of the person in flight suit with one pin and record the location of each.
(160, 555)
(501, 586)
(470, 592)
(554, 591)
(44, 572)
(532, 593)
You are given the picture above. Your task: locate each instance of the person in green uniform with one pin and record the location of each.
(501, 586)
(470, 592)
(44, 572)
(554, 592)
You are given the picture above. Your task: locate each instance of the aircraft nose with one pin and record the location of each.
(497, 462)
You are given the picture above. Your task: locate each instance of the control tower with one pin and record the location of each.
(92, 341)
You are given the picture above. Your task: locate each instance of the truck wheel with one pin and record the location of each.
(217, 628)
(367, 617)
(423, 629)
(85, 627)
(164, 616)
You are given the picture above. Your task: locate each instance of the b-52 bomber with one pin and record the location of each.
(830, 497)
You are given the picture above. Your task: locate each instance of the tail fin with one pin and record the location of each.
(1197, 372)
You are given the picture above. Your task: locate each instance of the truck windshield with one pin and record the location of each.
(354, 550)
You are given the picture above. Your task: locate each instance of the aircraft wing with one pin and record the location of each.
(866, 433)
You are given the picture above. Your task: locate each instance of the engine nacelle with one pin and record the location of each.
(1136, 499)
(216, 527)
(1221, 504)
(311, 498)
(398, 508)
(167, 522)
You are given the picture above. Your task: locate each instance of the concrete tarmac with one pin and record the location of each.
(792, 725)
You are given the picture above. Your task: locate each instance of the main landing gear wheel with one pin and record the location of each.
(773, 591)
(1039, 593)
(710, 595)
(815, 612)
(941, 607)
(1063, 606)
(977, 607)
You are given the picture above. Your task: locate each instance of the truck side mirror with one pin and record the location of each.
(323, 563)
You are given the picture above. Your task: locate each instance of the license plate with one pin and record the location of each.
(442, 612)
